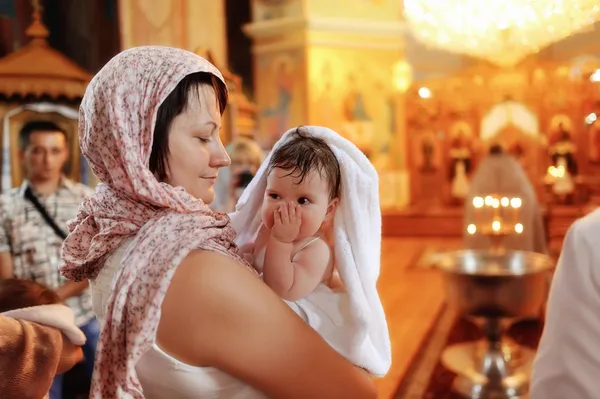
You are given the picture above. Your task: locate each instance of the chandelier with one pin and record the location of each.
(500, 31)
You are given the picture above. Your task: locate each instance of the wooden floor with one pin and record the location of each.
(411, 299)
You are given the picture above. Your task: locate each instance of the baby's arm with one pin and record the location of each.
(293, 279)
(247, 250)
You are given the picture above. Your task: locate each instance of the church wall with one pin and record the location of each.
(380, 10)
(187, 24)
(354, 95)
(281, 92)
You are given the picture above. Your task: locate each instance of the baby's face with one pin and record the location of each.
(312, 195)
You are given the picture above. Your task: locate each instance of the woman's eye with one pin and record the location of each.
(303, 201)
(202, 139)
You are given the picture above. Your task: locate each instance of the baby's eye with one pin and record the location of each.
(303, 201)
(274, 196)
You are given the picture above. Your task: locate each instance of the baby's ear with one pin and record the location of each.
(332, 206)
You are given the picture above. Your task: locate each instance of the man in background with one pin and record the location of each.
(501, 174)
(33, 225)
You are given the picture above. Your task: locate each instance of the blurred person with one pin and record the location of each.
(502, 175)
(38, 339)
(33, 224)
(567, 363)
(246, 157)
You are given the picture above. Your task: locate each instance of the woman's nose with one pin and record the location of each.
(220, 158)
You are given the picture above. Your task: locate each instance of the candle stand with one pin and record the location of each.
(493, 288)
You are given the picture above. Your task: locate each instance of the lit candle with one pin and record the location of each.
(504, 202)
(518, 228)
(488, 214)
(496, 207)
(516, 204)
(471, 229)
(496, 225)
(478, 204)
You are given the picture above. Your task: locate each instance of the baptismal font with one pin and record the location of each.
(494, 288)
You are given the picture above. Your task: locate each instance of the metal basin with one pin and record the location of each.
(511, 284)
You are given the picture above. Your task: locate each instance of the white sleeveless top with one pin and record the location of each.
(161, 375)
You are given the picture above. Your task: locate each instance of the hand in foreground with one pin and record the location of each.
(286, 222)
(70, 356)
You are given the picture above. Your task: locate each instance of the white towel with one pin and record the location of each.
(357, 252)
(57, 316)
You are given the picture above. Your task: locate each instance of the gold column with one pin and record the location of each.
(187, 24)
(328, 63)
(332, 63)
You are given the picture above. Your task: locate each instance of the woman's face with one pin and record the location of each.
(195, 148)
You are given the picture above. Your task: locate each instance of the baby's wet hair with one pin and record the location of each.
(302, 154)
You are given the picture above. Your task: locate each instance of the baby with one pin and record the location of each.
(313, 176)
(292, 249)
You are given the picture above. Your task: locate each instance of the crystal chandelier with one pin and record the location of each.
(500, 31)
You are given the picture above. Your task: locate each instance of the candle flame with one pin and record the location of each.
(518, 228)
(496, 225)
(471, 229)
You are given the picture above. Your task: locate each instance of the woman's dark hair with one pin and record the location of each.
(16, 294)
(174, 105)
(302, 154)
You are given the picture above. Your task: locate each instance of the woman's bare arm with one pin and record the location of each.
(218, 314)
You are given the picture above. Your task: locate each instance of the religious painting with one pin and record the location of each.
(280, 96)
(264, 10)
(562, 146)
(427, 152)
(324, 105)
(426, 157)
(358, 125)
(460, 155)
(594, 142)
(461, 148)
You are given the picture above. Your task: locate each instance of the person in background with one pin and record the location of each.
(246, 157)
(567, 363)
(38, 339)
(501, 174)
(33, 225)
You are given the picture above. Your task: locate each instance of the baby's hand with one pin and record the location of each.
(287, 222)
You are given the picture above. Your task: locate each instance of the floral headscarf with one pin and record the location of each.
(116, 124)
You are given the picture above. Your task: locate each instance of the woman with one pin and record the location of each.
(183, 315)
